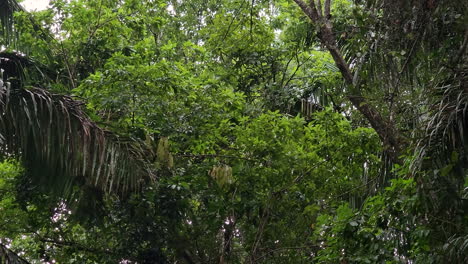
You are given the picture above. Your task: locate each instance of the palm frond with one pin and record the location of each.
(10, 30)
(60, 145)
(446, 128)
(456, 249)
(441, 161)
(8, 36)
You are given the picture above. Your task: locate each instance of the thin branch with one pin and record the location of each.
(232, 21)
(286, 69)
(67, 64)
(297, 69)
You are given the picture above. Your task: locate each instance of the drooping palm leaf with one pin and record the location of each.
(446, 129)
(442, 155)
(8, 34)
(59, 144)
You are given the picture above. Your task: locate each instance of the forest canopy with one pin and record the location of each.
(234, 131)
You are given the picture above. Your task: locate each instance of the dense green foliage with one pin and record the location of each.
(234, 131)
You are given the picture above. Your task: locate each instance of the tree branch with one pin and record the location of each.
(310, 11)
(10, 257)
(327, 9)
(385, 129)
(319, 7)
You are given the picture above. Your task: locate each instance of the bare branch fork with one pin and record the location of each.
(385, 128)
